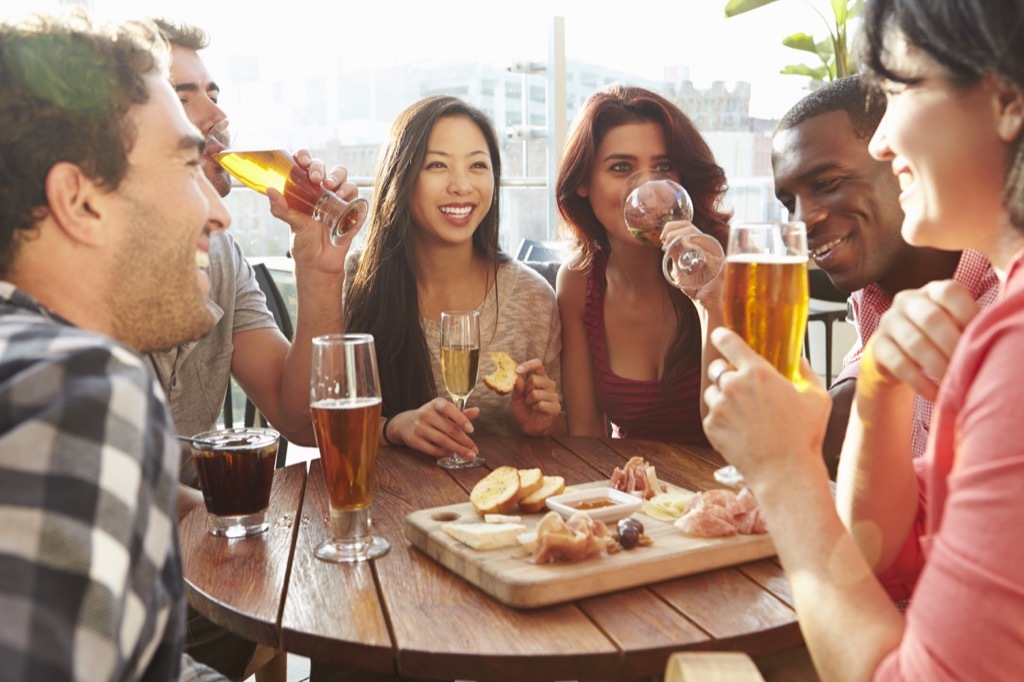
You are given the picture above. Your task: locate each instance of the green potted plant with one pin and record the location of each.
(833, 52)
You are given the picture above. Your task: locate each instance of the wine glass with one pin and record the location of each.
(263, 167)
(765, 296)
(345, 404)
(653, 199)
(460, 362)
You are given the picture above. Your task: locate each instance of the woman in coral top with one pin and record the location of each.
(945, 529)
(631, 343)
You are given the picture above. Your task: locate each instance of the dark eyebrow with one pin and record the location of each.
(440, 153)
(194, 87)
(821, 168)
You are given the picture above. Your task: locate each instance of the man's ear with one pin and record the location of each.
(75, 203)
(1009, 111)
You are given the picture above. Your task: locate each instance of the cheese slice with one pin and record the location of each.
(485, 535)
(502, 518)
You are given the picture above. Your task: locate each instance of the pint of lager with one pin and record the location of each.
(766, 291)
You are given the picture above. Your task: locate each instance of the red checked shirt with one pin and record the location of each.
(973, 271)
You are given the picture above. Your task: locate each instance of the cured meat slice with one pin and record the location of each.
(721, 513)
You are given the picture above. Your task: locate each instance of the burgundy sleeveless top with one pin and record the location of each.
(638, 409)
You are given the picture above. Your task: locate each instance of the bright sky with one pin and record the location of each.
(639, 37)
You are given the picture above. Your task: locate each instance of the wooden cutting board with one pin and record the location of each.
(506, 575)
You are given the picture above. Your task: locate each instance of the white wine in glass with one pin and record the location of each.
(460, 364)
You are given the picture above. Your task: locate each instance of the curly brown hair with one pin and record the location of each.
(66, 88)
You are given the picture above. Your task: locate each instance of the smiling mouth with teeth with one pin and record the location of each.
(825, 248)
(460, 212)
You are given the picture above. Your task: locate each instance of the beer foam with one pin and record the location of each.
(767, 258)
(345, 403)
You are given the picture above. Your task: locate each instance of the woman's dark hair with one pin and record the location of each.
(690, 157)
(970, 39)
(383, 299)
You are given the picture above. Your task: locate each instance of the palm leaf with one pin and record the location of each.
(734, 7)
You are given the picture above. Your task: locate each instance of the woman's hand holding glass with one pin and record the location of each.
(652, 200)
(762, 422)
(437, 429)
(534, 402)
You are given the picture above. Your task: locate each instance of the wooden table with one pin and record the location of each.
(407, 613)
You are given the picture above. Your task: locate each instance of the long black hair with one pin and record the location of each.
(383, 299)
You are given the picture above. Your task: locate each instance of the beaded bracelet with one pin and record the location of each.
(384, 432)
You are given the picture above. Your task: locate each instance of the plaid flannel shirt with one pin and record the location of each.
(90, 568)
(973, 271)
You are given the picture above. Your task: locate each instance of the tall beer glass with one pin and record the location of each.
(765, 295)
(345, 403)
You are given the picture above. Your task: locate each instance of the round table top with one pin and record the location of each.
(405, 612)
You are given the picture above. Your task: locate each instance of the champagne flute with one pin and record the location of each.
(345, 404)
(765, 295)
(260, 169)
(460, 363)
(653, 199)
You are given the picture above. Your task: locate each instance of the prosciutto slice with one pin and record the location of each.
(722, 513)
(637, 477)
(560, 541)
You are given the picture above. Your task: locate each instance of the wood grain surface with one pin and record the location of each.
(255, 567)
(406, 614)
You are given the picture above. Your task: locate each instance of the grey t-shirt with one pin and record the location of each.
(519, 315)
(195, 376)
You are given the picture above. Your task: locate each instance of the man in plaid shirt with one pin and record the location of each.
(104, 216)
(825, 176)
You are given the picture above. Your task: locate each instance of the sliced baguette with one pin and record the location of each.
(553, 485)
(503, 379)
(497, 492)
(530, 480)
(485, 535)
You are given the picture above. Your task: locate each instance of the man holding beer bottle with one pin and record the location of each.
(825, 177)
(245, 341)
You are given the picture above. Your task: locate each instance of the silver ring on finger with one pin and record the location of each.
(716, 370)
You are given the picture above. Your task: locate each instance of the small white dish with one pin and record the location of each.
(600, 504)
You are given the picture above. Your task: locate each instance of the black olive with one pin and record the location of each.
(628, 537)
(632, 523)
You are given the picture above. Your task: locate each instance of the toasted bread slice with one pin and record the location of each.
(530, 480)
(503, 379)
(553, 485)
(497, 492)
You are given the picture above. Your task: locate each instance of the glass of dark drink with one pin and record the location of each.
(261, 168)
(345, 404)
(235, 469)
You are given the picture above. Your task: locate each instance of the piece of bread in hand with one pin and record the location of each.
(553, 485)
(503, 379)
(497, 492)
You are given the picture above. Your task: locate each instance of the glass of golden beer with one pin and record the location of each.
(259, 169)
(765, 296)
(653, 199)
(460, 363)
(345, 404)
